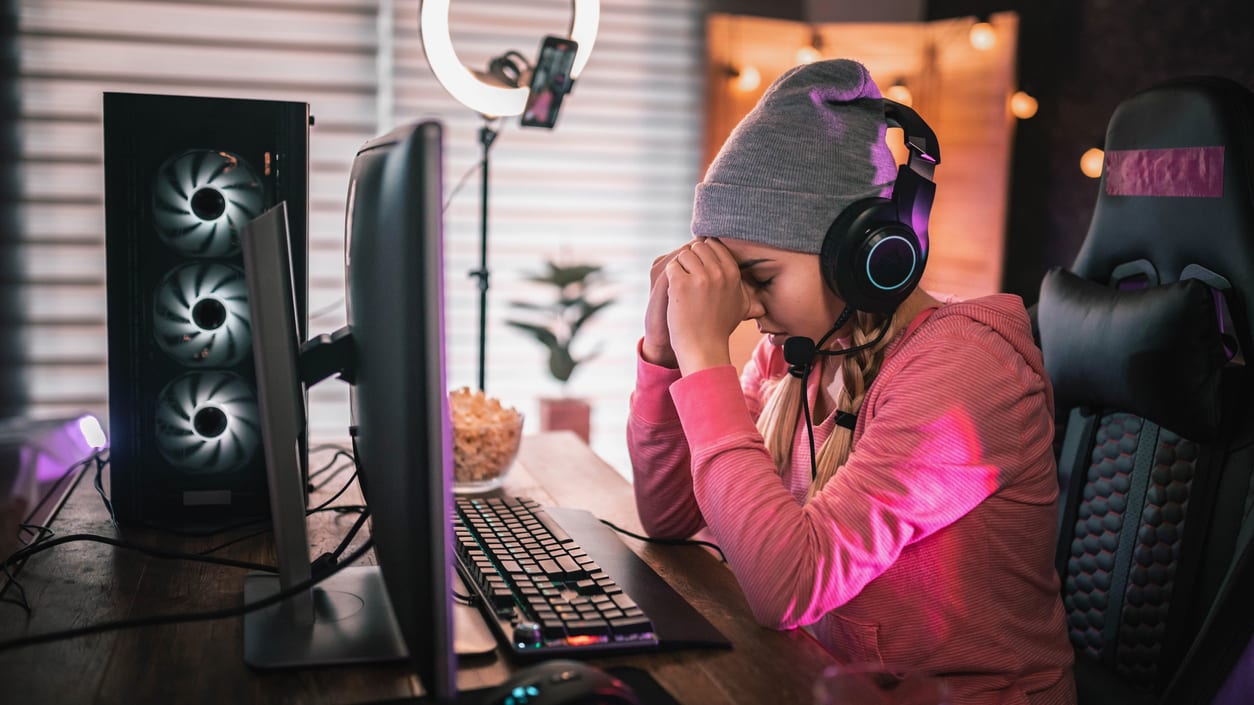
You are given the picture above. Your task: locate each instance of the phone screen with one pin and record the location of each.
(550, 82)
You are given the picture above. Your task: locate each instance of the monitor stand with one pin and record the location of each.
(349, 621)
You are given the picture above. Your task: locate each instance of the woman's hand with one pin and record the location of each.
(707, 300)
(656, 347)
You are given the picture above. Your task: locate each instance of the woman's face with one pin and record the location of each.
(787, 290)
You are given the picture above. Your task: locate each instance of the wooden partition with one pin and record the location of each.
(962, 92)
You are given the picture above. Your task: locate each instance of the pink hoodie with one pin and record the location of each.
(932, 547)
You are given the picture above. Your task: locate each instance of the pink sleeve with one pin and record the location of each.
(660, 461)
(944, 433)
(658, 450)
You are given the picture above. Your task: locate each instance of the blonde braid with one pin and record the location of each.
(778, 421)
(782, 410)
(858, 373)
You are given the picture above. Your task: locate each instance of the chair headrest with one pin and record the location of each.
(1177, 190)
(1156, 352)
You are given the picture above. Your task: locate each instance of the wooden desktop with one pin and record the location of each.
(81, 583)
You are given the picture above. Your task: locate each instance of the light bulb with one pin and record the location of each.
(808, 55)
(982, 36)
(1022, 105)
(900, 93)
(1092, 161)
(748, 79)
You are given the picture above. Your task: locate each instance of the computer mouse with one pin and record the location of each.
(562, 682)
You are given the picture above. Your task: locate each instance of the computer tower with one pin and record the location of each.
(183, 175)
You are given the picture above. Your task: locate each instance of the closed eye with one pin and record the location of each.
(757, 283)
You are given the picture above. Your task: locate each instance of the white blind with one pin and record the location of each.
(611, 185)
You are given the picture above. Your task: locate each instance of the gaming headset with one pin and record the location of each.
(874, 252)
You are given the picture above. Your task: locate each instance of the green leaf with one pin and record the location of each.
(561, 364)
(542, 334)
(588, 310)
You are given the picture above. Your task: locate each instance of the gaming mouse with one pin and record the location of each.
(561, 682)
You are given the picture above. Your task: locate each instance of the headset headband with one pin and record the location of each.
(914, 190)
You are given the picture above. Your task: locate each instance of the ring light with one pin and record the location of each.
(472, 88)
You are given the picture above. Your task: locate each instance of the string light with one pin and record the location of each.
(1022, 105)
(813, 51)
(748, 78)
(982, 35)
(1092, 161)
(900, 93)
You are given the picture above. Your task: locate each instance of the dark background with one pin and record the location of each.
(1081, 58)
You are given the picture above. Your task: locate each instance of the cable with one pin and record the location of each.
(23, 553)
(805, 398)
(334, 472)
(21, 591)
(99, 483)
(668, 542)
(330, 559)
(461, 182)
(186, 617)
(325, 468)
(327, 310)
(335, 496)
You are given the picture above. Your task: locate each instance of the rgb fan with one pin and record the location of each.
(202, 198)
(201, 315)
(207, 422)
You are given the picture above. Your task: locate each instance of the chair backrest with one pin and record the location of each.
(1145, 339)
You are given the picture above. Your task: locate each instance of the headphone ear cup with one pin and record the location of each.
(870, 259)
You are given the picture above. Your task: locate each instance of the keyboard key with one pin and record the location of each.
(571, 569)
(588, 627)
(554, 528)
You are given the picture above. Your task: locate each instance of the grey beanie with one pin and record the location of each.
(812, 145)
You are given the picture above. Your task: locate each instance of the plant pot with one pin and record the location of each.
(566, 414)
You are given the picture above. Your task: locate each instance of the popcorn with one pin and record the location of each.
(485, 435)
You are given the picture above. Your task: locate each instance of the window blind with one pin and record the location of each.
(610, 185)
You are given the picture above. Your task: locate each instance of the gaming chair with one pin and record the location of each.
(1145, 338)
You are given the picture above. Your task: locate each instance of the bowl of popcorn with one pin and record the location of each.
(486, 435)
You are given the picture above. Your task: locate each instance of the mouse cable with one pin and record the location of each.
(668, 542)
(210, 615)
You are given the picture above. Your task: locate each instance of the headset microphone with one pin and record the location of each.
(799, 353)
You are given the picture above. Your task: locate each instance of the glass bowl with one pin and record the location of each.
(486, 437)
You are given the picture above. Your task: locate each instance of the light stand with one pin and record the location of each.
(492, 98)
(487, 135)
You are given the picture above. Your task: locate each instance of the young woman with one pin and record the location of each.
(921, 536)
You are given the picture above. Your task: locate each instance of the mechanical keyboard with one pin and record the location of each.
(556, 581)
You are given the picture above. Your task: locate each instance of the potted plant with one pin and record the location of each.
(556, 325)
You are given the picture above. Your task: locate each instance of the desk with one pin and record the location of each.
(82, 583)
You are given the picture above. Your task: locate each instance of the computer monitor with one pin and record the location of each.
(392, 353)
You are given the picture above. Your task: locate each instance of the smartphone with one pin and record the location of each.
(550, 81)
